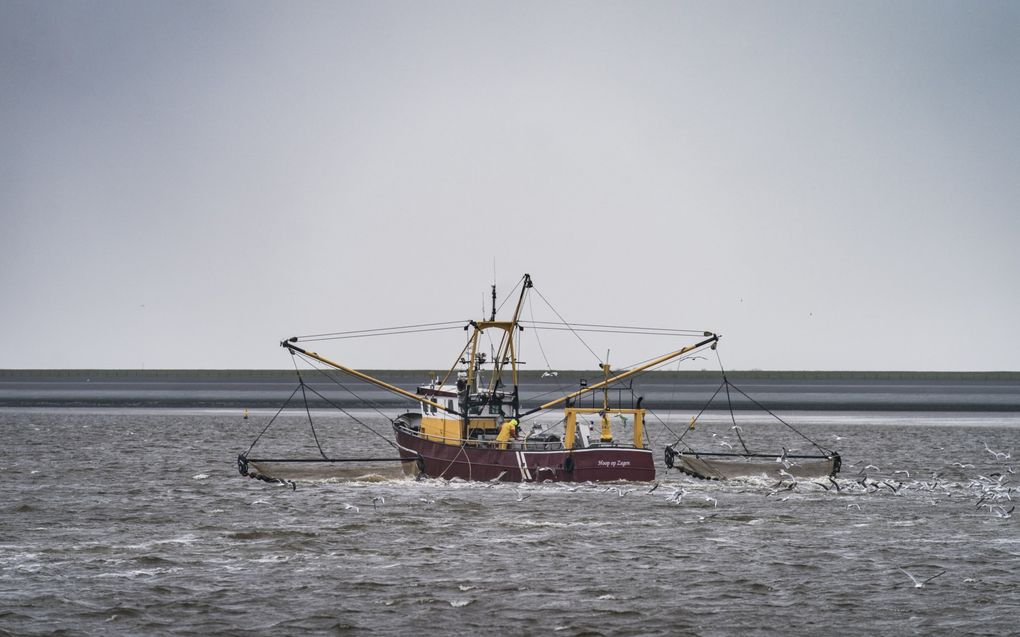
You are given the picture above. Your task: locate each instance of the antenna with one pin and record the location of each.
(493, 317)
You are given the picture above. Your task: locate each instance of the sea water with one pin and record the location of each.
(129, 521)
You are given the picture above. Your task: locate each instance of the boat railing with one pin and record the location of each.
(524, 444)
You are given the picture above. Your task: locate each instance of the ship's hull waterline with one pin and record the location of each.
(469, 462)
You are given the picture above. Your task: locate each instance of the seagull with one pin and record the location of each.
(499, 477)
(783, 460)
(427, 500)
(379, 499)
(714, 502)
(963, 466)
(521, 497)
(854, 504)
(549, 373)
(726, 444)
(351, 506)
(919, 583)
(903, 471)
(998, 454)
(736, 428)
(1003, 513)
(776, 490)
(654, 487)
(677, 495)
(784, 472)
(870, 466)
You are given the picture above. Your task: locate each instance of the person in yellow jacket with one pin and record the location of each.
(508, 430)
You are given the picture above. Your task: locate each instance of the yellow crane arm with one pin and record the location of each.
(365, 377)
(714, 338)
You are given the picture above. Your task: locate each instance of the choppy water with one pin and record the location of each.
(136, 522)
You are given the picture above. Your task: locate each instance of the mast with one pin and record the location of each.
(506, 348)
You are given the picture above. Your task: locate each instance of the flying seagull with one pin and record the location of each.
(920, 583)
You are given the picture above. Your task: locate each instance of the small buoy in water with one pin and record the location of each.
(246, 414)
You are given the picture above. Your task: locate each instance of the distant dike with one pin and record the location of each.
(783, 390)
(412, 375)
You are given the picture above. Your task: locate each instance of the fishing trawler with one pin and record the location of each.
(470, 423)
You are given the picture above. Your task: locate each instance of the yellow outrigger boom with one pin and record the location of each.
(713, 339)
(365, 377)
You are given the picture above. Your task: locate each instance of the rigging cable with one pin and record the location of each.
(695, 419)
(733, 418)
(792, 428)
(329, 375)
(301, 384)
(612, 329)
(541, 296)
(381, 332)
(672, 396)
(354, 418)
(508, 296)
(272, 420)
(531, 311)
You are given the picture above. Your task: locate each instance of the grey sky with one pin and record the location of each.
(829, 185)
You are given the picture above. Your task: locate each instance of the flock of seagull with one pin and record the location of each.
(993, 492)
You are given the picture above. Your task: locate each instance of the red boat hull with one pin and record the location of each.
(469, 462)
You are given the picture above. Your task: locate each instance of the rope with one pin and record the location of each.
(341, 409)
(329, 374)
(729, 403)
(624, 329)
(459, 451)
(374, 332)
(792, 428)
(531, 311)
(733, 418)
(309, 412)
(508, 296)
(672, 395)
(354, 418)
(629, 331)
(572, 330)
(727, 384)
(717, 390)
(272, 420)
